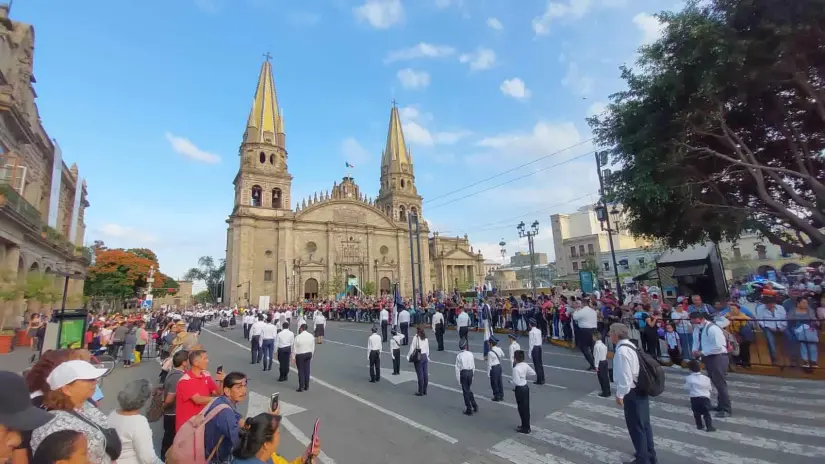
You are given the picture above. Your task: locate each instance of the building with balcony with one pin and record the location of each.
(42, 201)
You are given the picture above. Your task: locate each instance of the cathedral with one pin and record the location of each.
(335, 241)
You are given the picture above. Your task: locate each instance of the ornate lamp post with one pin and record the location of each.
(604, 218)
(530, 234)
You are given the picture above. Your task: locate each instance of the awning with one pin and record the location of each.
(649, 275)
(690, 270)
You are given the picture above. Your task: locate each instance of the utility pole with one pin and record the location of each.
(412, 259)
(418, 247)
(530, 234)
(604, 216)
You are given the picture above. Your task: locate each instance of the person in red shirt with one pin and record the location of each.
(195, 389)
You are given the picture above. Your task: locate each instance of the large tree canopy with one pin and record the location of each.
(121, 274)
(722, 127)
(211, 274)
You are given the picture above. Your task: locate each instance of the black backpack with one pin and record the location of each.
(651, 380)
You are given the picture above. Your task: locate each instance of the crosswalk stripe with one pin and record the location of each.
(720, 434)
(518, 453)
(594, 452)
(764, 387)
(760, 379)
(759, 408)
(780, 399)
(685, 450)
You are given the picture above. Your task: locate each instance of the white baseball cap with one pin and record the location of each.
(69, 371)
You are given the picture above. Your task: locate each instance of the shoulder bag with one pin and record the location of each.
(415, 356)
(110, 437)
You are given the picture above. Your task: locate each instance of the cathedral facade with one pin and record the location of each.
(335, 241)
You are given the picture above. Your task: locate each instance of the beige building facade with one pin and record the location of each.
(42, 201)
(336, 239)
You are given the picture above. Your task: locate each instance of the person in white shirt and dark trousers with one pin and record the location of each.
(302, 349)
(384, 316)
(268, 335)
(710, 343)
(395, 350)
(514, 346)
(284, 341)
(374, 355)
(319, 322)
(520, 372)
(462, 322)
(494, 357)
(420, 350)
(534, 341)
(698, 387)
(255, 339)
(438, 328)
(602, 369)
(465, 365)
(586, 320)
(248, 320)
(636, 406)
(404, 324)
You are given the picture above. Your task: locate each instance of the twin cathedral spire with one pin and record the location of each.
(263, 179)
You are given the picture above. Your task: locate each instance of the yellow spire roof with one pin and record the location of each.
(265, 115)
(395, 153)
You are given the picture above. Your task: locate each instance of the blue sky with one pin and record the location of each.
(150, 99)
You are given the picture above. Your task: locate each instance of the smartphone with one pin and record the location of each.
(273, 401)
(219, 370)
(314, 438)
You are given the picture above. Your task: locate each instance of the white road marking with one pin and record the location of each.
(518, 453)
(720, 434)
(760, 408)
(402, 377)
(676, 383)
(353, 397)
(594, 452)
(684, 450)
(481, 397)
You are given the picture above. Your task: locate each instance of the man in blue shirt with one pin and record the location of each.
(228, 422)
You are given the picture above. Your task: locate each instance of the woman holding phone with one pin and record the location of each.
(259, 442)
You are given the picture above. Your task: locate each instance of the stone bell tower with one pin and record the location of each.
(397, 195)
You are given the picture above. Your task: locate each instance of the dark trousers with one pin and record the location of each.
(585, 342)
(140, 349)
(439, 336)
(302, 362)
(523, 402)
(604, 377)
(246, 328)
(637, 418)
(268, 349)
(283, 362)
(384, 331)
(675, 355)
(462, 332)
(717, 367)
(495, 382)
(745, 353)
(114, 349)
(168, 434)
(375, 365)
(700, 406)
(396, 361)
(538, 366)
(466, 377)
(255, 347)
(405, 328)
(422, 372)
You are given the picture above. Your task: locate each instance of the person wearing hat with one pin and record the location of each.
(534, 346)
(438, 327)
(465, 365)
(374, 355)
(17, 415)
(494, 357)
(395, 350)
(710, 342)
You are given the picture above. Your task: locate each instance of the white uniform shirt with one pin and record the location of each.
(698, 385)
(625, 368)
(463, 320)
(438, 318)
(301, 321)
(534, 339)
(304, 343)
(269, 332)
(586, 317)
(282, 317)
(319, 318)
(395, 343)
(599, 352)
(494, 358)
(384, 315)
(248, 319)
(520, 373)
(285, 338)
(423, 345)
(404, 317)
(256, 328)
(712, 339)
(373, 344)
(464, 361)
(513, 348)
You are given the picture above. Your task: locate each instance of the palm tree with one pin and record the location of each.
(210, 274)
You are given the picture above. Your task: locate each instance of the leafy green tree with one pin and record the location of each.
(210, 273)
(338, 284)
(368, 288)
(590, 265)
(721, 129)
(202, 297)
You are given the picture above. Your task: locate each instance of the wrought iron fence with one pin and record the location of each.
(19, 205)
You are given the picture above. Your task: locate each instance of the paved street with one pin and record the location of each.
(775, 421)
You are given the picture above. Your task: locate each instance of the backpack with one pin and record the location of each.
(651, 381)
(188, 447)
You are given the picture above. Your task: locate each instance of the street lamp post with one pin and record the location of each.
(502, 244)
(530, 234)
(604, 217)
(248, 290)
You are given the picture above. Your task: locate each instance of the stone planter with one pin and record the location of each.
(22, 338)
(6, 340)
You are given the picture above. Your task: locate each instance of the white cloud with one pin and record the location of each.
(185, 147)
(515, 88)
(495, 24)
(448, 3)
(577, 81)
(569, 10)
(416, 132)
(543, 139)
(413, 80)
(596, 108)
(354, 152)
(449, 138)
(128, 235)
(421, 50)
(650, 26)
(380, 14)
(482, 58)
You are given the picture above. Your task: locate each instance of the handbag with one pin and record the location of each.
(155, 411)
(415, 356)
(110, 437)
(806, 334)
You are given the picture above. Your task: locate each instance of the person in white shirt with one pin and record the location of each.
(494, 357)
(319, 322)
(374, 355)
(420, 345)
(302, 349)
(395, 350)
(514, 346)
(384, 317)
(284, 342)
(404, 324)
(465, 365)
(636, 406)
(282, 318)
(587, 320)
(248, 320)
(520, 372)
(698, 387)
(602, 370)
(534, 345)
(463, 324)
(255, 339)
(438, 328)
(710, 343)
(268, 335)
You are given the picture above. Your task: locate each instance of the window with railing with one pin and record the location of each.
(573, 252)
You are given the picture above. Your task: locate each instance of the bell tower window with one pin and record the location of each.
(413, 211)
(271, 159)
(277, 201)
(402, 213)
(256, 196)
(402, 183)
(263, 157)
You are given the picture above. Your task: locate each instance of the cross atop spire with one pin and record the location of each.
(267, 56)
(394, 103)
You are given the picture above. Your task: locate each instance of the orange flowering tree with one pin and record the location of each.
(119, 274)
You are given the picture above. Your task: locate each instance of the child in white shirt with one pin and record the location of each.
(600, 359)
(698, 387)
